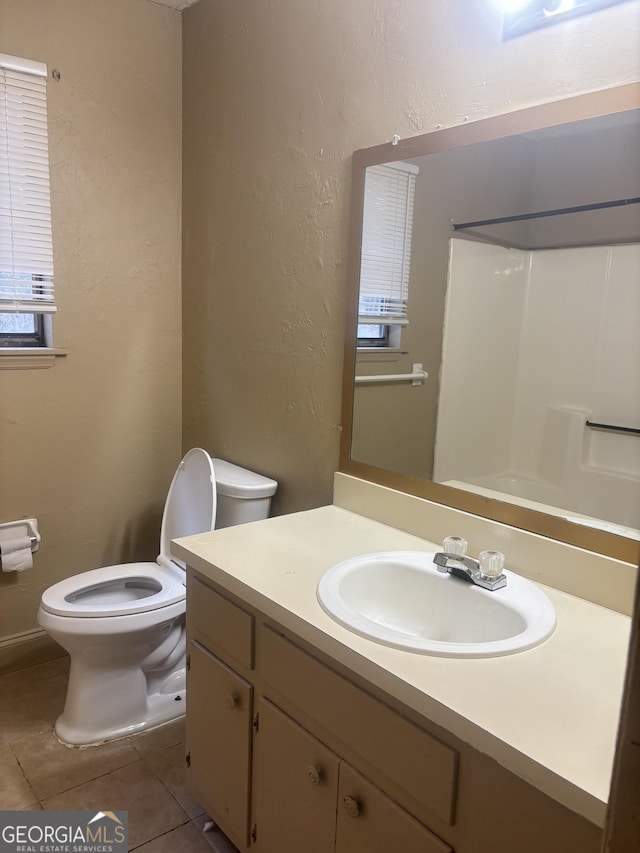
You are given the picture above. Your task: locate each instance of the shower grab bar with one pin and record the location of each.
(416, 377)
(613, 428)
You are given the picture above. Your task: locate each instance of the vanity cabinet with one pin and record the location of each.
(289, 752)
(296, 786)
(220, 702)
(370, 821)
(419, 768)
(219, 721)
(308, 799)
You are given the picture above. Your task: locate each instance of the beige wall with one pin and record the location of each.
(277, 95)
(89, 446)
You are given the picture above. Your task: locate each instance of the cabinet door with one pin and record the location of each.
(369, 822)
(295, 787)
(219, 719)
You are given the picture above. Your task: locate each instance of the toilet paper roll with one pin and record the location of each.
(15, 554)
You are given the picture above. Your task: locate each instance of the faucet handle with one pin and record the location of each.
(455, 545)
(491, 563)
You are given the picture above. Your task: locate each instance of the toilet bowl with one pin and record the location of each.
(124, 625)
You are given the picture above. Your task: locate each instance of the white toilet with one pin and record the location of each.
(124, 626)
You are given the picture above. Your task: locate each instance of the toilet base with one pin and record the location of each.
(127, 674)
(161, 707)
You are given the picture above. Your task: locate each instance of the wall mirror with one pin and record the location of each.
(492, 357)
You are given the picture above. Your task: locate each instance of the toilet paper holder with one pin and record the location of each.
(19, 528)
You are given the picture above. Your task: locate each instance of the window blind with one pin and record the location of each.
(386, 243)
(26, 252)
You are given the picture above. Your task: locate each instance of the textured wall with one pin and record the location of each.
(89, 446)
(277, 95)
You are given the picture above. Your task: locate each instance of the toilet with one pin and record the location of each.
(124, 625)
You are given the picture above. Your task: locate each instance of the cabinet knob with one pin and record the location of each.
(351, 806)
(314, 775)
(232, 701)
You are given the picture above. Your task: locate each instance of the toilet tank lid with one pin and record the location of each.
(236, 482)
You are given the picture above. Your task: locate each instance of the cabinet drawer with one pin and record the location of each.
(411, 758)
(369, 822)
(218, 624)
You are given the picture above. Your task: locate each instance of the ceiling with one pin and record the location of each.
(175, 4)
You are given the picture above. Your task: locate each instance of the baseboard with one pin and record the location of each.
(27, 649)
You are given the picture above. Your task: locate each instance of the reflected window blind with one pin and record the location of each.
(386, 243)
(26, 252)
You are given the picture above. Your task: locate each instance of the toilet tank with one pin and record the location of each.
(243, 495)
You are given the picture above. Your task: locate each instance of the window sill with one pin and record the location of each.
(29, 358)
(388, 354)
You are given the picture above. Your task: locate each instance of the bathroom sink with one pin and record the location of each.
(399, 598)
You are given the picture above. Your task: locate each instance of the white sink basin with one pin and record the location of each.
(400, 599)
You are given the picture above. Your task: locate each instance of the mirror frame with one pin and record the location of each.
(565, 111)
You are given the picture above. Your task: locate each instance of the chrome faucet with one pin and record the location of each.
(486, 571)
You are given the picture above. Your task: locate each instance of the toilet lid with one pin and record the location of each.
(120, 590)
(190, 507)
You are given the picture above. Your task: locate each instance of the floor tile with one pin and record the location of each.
(15, 791)
(185, 839)
(161, 738)
(169, 766)
(37, 673)
(31, 699)
(51, 768)
(152, 810)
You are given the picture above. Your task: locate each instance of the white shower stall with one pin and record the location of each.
(539, 344)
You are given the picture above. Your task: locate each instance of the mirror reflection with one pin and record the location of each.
(498, 348)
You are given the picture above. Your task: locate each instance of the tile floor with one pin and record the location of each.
(143, 774)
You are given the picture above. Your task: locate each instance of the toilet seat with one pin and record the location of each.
(125, 589)
(129, 588)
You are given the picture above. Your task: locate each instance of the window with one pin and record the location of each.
(527, 15)
(386, 253)
(26, 253)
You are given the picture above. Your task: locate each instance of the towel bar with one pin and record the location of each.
(416, 377)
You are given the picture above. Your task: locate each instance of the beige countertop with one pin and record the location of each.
(549, 714)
